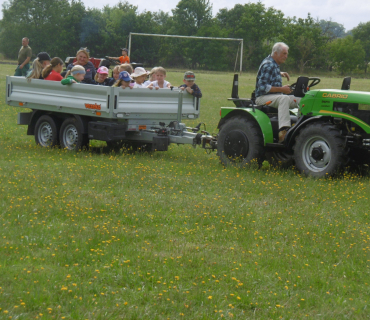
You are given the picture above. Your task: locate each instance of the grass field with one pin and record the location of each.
(174, 235)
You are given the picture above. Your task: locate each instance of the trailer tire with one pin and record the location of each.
(240, 142)
(320, 150)
(71, 136)
(46, 132)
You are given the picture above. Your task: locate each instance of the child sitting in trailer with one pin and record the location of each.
(75, 75)
(140, 76)
(160, 82)
(152, 76)
(190, 86)
(53, 70)
(115, 73)
(126, 67)
(124, 80)
(101, 78)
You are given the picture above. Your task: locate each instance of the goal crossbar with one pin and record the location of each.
(188, 37)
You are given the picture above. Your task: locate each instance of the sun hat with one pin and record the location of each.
(43, 56)
(139, 71)
(103, 70)
(125, 76)
(189, 75)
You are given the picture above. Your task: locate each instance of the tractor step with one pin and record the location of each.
(275, 145)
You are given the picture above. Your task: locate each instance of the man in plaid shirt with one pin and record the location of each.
(269, 87)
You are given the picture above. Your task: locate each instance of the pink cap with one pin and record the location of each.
(103, 70)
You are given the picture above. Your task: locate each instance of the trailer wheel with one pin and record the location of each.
(281, 160)
(240, 142)
(71, 136)
(320, 150)
(46, 132)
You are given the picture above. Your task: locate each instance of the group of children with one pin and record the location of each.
(123, 76)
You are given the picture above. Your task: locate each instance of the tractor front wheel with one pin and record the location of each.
(240, 142)
(320, 150)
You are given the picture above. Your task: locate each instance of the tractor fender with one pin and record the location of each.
(292, 134)
(261, 119)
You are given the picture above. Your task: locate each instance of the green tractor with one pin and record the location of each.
(330, 132)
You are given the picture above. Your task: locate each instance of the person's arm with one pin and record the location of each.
(196, 91)
(283, 89)
(114, 58)
(25, 62)
(285, 75)
(266, 77)
(67, 81)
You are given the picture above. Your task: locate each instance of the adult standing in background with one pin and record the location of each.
(24, 57)
(124, 58)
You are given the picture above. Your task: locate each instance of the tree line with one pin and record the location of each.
(61, 27)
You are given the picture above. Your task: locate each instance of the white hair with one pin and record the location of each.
(278, 46)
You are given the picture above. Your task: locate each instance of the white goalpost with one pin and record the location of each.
(189, 37)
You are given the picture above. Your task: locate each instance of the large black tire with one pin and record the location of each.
(71, 136)
(240, 142)
(46, 132)
(281, 160)
(320, 150)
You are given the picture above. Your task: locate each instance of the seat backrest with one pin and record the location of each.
(346, 84)
(301, 87)
(234, 91)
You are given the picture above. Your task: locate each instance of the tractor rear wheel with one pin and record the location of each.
(320, 150)
(240, 142)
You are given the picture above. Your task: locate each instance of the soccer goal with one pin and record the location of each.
(192, 37)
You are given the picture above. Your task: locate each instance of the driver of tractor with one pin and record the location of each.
(269, 87)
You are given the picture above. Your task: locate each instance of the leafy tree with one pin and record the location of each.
(42, 21)
(347, 53)
(332, 30)
(305, 39)
(256, 25)
(362, 33)
(190, 15)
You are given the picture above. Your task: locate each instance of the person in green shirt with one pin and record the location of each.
(24, 57)
(75, 75)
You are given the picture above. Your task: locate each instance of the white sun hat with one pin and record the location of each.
(139, 71)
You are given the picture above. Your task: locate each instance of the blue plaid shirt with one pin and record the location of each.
(268, 76)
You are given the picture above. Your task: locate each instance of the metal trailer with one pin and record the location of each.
(71, 115)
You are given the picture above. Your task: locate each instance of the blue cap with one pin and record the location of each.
(125, 76)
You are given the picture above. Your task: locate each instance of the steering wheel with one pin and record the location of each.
(114, 62)
(314, 81)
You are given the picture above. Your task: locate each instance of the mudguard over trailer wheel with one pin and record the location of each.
(71, 136)
(46, 132)
(320, 150)
(240, 142)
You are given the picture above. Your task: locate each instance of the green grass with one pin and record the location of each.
(174, 235)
